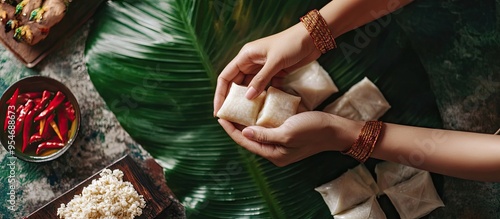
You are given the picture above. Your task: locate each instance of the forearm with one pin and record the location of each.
(459, 154)
(345, 15)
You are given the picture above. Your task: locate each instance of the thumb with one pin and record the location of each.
(262, 79)
(263, 135)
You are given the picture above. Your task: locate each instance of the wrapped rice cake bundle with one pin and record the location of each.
(370, 209)
(278, 106)
(312, 83)
(415, 197)
(362, 102)
(237, 108)
(390, 174)
(366, 177)
(345, 192)
(343, 107)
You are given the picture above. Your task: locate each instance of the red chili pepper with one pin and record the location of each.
(70, 111)
(37, 101)
(31, 95)
(45, 129)
(36, 138)
(18, 110)
(49, 145)
(12, 103)
(58, 99)
(45, 99)
(18, 114)
(50, 137)
(62, 122)
(54, 138)
(27, 129)
(13, 99)
(20, 120)
(22, 100)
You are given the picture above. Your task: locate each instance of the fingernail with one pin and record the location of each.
(248, 133)
(251, 93)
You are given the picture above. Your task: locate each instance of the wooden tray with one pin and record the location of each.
(78, 13)
(160, 201)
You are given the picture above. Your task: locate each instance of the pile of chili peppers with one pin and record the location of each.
(44, 120)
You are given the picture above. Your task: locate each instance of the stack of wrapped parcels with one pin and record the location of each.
(304, 90)
(354, 194)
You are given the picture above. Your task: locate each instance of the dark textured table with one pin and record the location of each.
(468, 96)
(461, 59)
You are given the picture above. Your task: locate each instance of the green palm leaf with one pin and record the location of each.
(155, 63)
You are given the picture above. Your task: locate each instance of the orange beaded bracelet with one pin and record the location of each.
(364, 145)
(318, 30)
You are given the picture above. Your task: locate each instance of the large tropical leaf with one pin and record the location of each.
(155, 63)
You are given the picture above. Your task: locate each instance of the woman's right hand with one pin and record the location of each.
(261, 61)
(301, 136)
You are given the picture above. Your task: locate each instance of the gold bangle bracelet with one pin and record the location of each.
(363, 147)
(319, 31)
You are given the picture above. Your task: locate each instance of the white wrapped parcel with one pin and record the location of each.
(415, 197)
(237, 108)
(370, 209)
(270, 109)
(278, 106)
(349, 190)
(390, 174)
(411, 190)
(362, 102)
(312, 83)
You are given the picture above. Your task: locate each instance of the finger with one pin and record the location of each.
(230, 74)
(223, 82)
(262, 79)
(264, 150)
(264, 135)
(227, 126)
(250, 68)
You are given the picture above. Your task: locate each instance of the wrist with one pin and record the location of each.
(346, 132)
(305, 40)
(351, 133)
(319, 31)
(364, 145)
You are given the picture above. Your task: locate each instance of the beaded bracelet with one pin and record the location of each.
(318, 30)
(364, 145)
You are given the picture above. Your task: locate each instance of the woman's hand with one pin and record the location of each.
(301, 136)
(258, 62)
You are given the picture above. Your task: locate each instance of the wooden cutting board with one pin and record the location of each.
(79, 11)
(160, 201)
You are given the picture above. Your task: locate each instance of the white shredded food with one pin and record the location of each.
(108, 197)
